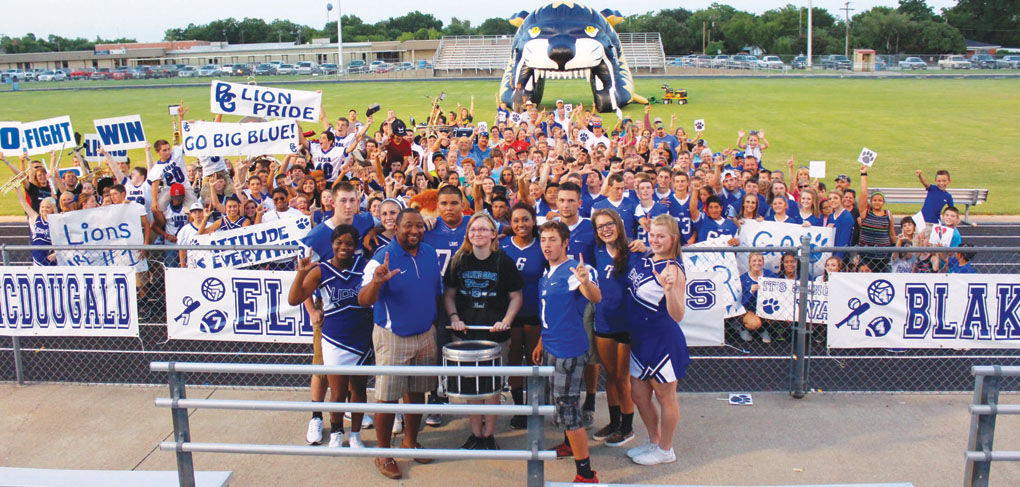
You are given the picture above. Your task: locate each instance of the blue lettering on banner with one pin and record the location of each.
(976, 313)
(47, 134)
(10, 138)
(700, 294)
(1009, 320)
(224, 97)
(942, 329)
(918, 298)
(56, 300)
(246, 292)
(92, 150)
(121, 133)
(277, 324)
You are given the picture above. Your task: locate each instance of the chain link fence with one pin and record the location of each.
(774, 356)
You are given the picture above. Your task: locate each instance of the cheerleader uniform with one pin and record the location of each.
(658, 347)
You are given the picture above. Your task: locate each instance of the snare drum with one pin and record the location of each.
(472, 353)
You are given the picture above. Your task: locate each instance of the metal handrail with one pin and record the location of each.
(405, 370)
(436, 453)
(979, 453)
(995, 370)
(393, 408)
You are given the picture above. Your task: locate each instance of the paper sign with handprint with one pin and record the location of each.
(699, 125)
(867, 157)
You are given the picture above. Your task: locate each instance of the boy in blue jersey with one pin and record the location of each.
(615, 201)
(647, 208)
(679, 206)
(565, 290)
(937, 197)
(962, 262)
(712, 224)
(346, 210)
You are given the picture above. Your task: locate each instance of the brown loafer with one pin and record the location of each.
(388, 467)
(423, 461)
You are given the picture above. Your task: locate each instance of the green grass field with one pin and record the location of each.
(967, 126)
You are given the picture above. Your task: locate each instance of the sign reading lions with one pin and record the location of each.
(262, 101)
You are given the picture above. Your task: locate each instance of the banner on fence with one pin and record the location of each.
(106, 227)
(68, 301)
(93, 143)
(262, 101)
(779, 299)
(234, 305)
(924, 311)
(121, 133)
(208, 139)
(723, 262)
(774, 234)
(280, 232)
(703, 319)
(38, 137)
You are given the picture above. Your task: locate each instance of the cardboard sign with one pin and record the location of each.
(941, 235)
(699, 125)
(120, 133)
(867, 157)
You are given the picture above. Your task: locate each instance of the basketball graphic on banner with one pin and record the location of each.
(881, 292)
(213, 289)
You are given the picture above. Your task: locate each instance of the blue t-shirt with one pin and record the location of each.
(446, 240)
(407, 302)
(748, 298)
(670, 140)
(956, 268)
(610, 312)
(708, 228)
(531, 264)
(934, 202)
(319, 237)
(790, 218)
(681, 212)
(640, 212)
(815, 221)
(582, 240)
(563, 334)
(731, 202)
(345, 323)
(844, 224)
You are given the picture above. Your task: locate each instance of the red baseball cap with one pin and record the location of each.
(177, 189)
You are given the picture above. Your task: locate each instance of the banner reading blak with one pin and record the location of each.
(105, 227)
(262, 101)
(774, 234)
(68, 301)
(234, 305)
(207, 139)
(723, 262)
(280, 232)
(120, 133)
(779, 299)
(93, 143)
(924, 310)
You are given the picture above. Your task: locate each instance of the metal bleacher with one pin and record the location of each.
(477, 54)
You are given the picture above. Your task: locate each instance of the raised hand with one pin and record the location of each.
(670, 278)
(305, 264)
(383, 272)
(581, 272)
(740, 133)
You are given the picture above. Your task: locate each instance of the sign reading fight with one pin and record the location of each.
(121, 133)
(263, 101)
(68, 301)
(281, 232)
(107, 227)
(208, 139)
(774, 234)
(723, 262)
(93, 143)
(37, 137)
(924, 311)
(234, 305)
(779, 299)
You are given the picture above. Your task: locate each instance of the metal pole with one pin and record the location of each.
(19, 371)
(982, 430)
(798, 386)
(809, 9)
(339, 41)
(536, 431)
(182, 431)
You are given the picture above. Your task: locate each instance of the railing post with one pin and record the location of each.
(19, 371)
(536, 429)
(982, 430)
(182, 431)
(798, 383)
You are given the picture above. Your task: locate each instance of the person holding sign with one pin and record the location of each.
(39, 223)
(659, 356)
(877, 228)
(346, 326)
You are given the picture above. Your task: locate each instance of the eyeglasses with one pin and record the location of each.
(803, 186)
(480, 231)
(605, 226)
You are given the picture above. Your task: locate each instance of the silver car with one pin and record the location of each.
(912, 63)
(285, 69)
(210, 70)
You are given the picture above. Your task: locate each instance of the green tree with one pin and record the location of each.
(939, 38)
(496, 26)
(881, 28)
(992, 21)
(917, 10)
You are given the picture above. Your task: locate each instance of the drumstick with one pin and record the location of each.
(472, 327)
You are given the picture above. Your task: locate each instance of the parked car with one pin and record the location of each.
(837, 61)
(307, 68)
(799, 62)
(404, 66)
(880, 64)
(122, 73)
(913, 63)
(983, 61)
(239, 69)
(210, 70)
(166, 71)
(52, 76)
(82, 73)
(102, 73)
(1011, 61)
(187, 72)
(771, 62)
(703, 61)
(422, 64)
(329, 69)
(145, 72)
(264, 69)
(33, 74)
(285, 69)
(738, 61)
(719, 61)
(380, 67)
(954, 62)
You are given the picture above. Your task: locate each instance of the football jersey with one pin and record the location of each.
(446, 240)
(708, 228)
(171, 170)
(212, 165)
(326, 161)
(175, 219)
(681, 212)
(641, 212)
(582, 240)
(562, 311)
(625, 208)
(531, 263)
(610, 312)
(187, 235)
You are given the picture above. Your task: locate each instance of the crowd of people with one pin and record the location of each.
(556, 231)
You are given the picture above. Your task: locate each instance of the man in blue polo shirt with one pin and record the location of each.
(403, 282)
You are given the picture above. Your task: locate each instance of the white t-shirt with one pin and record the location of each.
(187, 235)
(212, 165)
(273, 215)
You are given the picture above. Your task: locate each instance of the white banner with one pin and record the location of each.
(958, 311)
(121, 133)
(202, 139)
(262, 101)
(92, 145)
(773, 234)
(703, 320)
(234, 305)
(724, 262)
(106, 227)
(38, 137)
(68, 301)
(778, 299)
(280, 232)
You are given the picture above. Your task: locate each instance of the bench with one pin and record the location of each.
(961, 196)
(43, 477)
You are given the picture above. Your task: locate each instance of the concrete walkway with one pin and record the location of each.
(824, 438)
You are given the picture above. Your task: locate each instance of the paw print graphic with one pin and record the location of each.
(770, 306)
(303, 223)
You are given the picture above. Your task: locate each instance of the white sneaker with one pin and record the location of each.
(655, 457)
(641, 449)
(366, 422)
(398, 424)
(314, 435)
(354, 440)
(336, 440)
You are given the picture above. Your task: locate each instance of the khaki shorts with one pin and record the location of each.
(393, 349)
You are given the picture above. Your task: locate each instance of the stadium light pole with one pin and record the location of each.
(810, 8)
(339, 38)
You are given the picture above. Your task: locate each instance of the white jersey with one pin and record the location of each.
(187, 235)
(171, 171)
(328, 162)
(175, 219)
(212, 165)
(141, 194)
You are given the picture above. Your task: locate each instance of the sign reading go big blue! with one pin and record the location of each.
(923, 310)
(208, 139)
(234, 305)
(38, 137)
(68, 301)
(776, 234)
(263, 101)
